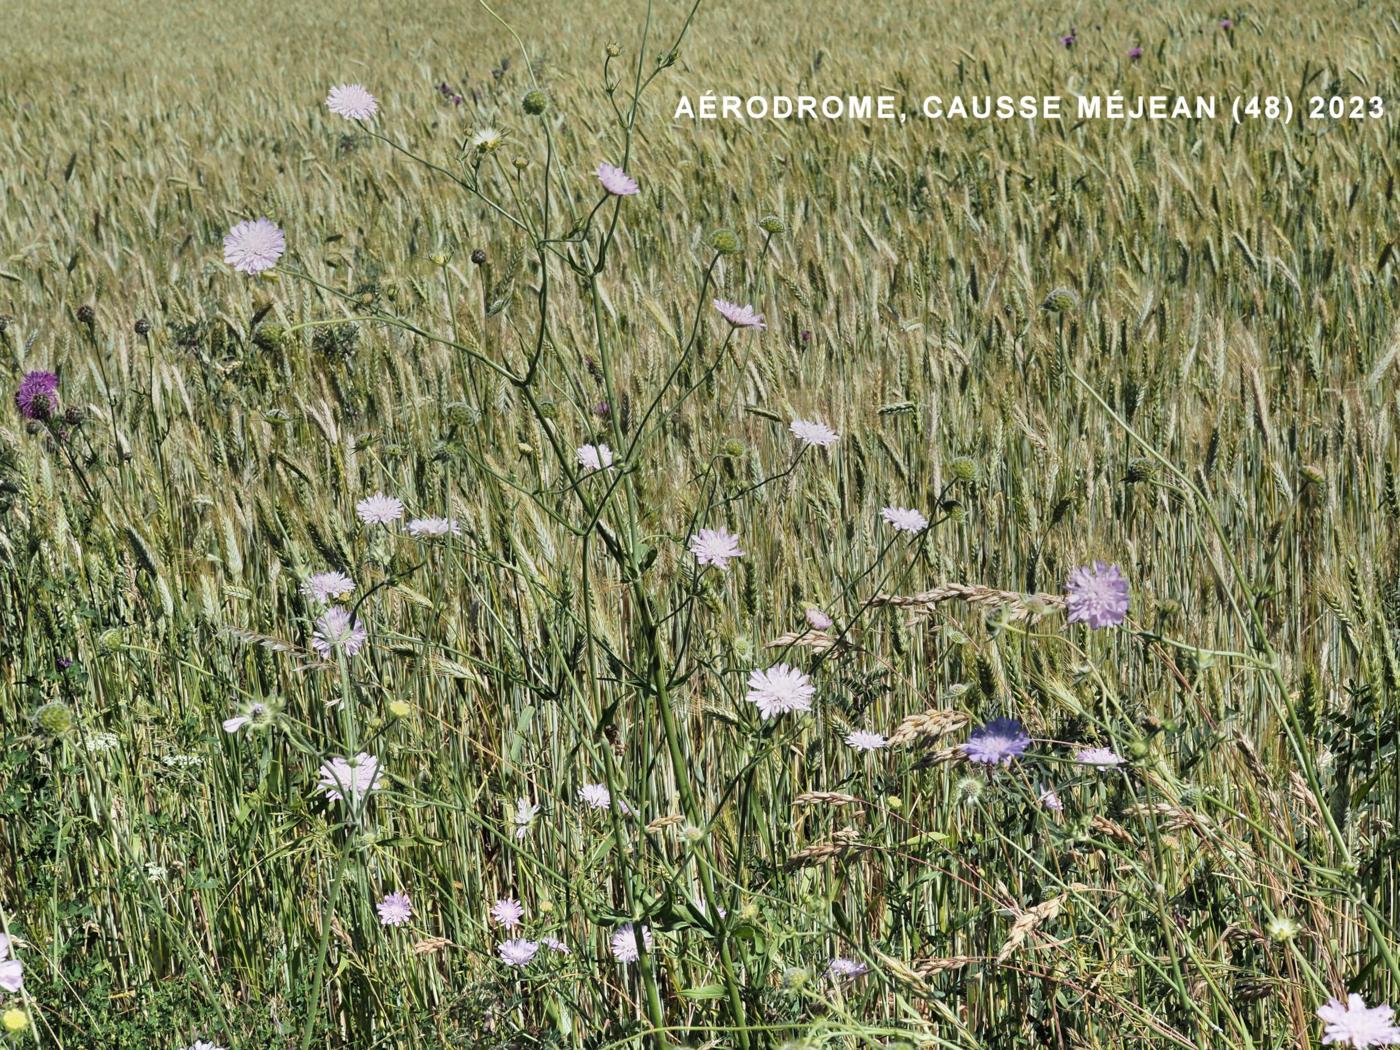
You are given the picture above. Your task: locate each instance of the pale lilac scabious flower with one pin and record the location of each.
(335, 630)
(1099, 756)
(253, 713)
(845, 969)
(525, 813)
(1355, 1024)
(508, 912)
(254, 246)
(379, 509)
(37, 396)
(594, 457)
(1051, 801)
(812, 432)
(616, 181)
(739, 316)
(432, 528)
(595, 796)
(779, 690)
(203, 1044)
(517, 952)
(715, 547)
(905, 519)
(357, 778)
(862, 740)
(623, 943)
(554, 944)
(352, 102)
(323, 586)
(11, 970)
(1098, 595)
(997, 742)
(817, 620)
(395, 909)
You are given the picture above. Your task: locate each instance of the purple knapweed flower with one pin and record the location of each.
(37, 396)
(997, 742)
(1068, 39)
(1098, 595)
(1135, 53)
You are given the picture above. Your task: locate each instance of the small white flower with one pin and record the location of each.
(904, 519)
(715, 547)
(486, 139)
(594, 457)
(237, 722)
(779, 690)
(203, 1044)
(517, 952)
(623, 943)
(845, 969)
(525, 814)
(434, 527)
(102, 742)
(508, 912)
(597, 796)
(814, 433)
(1102, 757)
(357, 778)
(1356, 1024)
(352, 102)
(325, 586)
(379, 509)
(863, 741)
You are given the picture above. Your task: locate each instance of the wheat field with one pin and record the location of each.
(445, 637)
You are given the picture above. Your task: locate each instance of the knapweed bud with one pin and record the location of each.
(55, 718)
(535, 102)
(5, 320)
(74, 415)
(963, 469)
(1060, 300)
(87, 315)
(143, 326)
(726, 242)
(269, 337)
(478, 256)
(1140, 471)
(772, 224)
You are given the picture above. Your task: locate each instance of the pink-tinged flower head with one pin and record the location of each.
(379, 509)
(1103, 757)
(739, 316)
(323, 586)
(997, 742)
(11, 970)
(812, 432)
(37, 395)
(905, 519)
(862, 740)
(525, 814)
(508, 912)
(1068, 39)
(352, 102)
(433, 528)
(817, 620)
(1135, 53)
(254, 246)
(616, 181)
(355, 777)
(1098, 595)
(1051, 801)
(395, 909)
(846, 969)
(1226, 23)
(517, 952)
(554, 944)
(623, 943)
(715, 547)
(779, 690)
(335, 630)
(594, 457)
(1355, 1024)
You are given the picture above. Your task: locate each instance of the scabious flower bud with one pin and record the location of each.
(55, 718)
(1060, 300)
(772, 224)
(535, 102)
(110, 640)
(963, 469)
(614, 50)
(726, 242)
(521, 163)
(732, 449)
